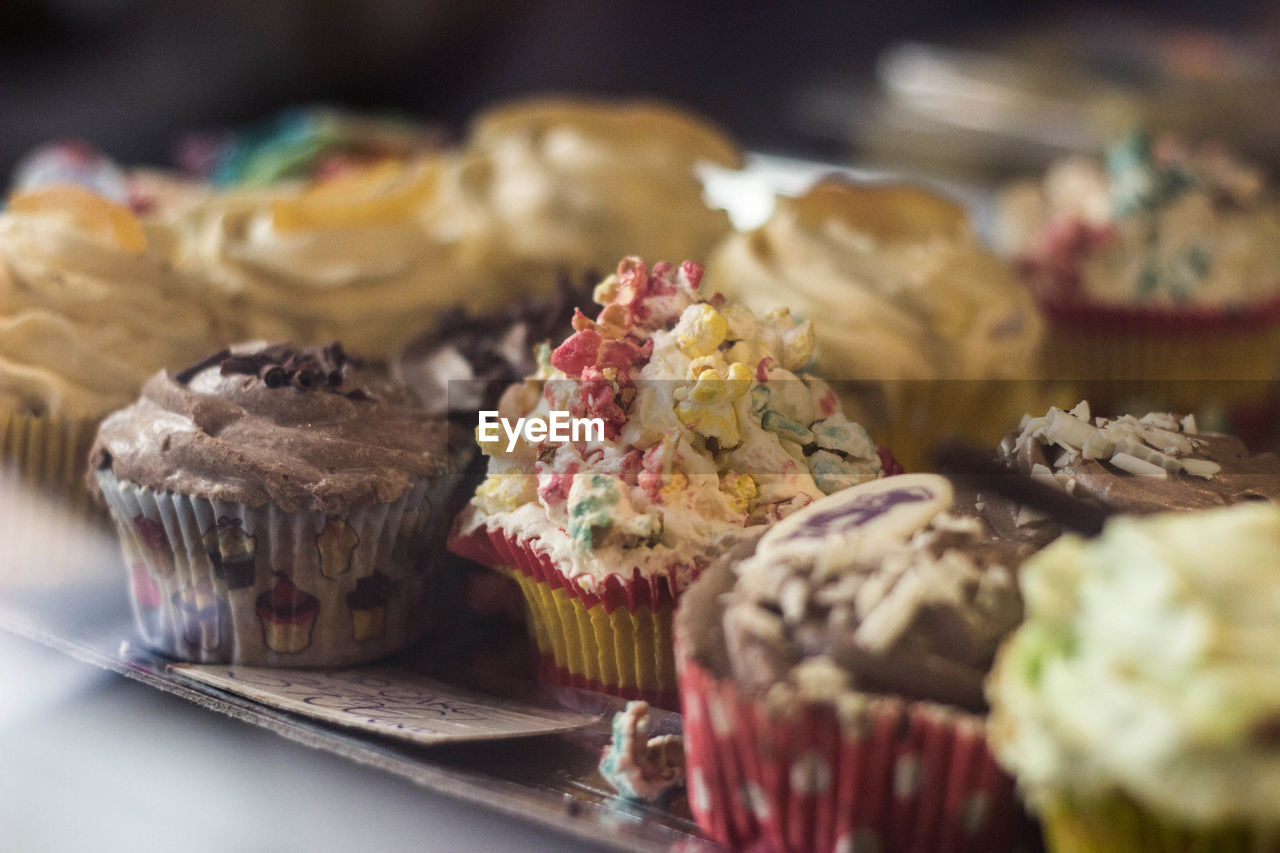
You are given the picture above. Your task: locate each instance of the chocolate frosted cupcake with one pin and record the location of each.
(467, 360)
(261, 491)
(1156, 463)
(831, 678)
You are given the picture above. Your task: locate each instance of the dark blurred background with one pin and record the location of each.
(820, 79)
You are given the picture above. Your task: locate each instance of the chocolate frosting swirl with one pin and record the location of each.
(256, 424)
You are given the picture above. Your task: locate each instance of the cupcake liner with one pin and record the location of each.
(223, 582)
(1185, 358)
(613, 639)
(49, 452)
(1117, 824)
(888, 775)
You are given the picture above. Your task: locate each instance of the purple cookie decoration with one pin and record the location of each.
(893, 507)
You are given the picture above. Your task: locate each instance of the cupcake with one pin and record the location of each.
(831, 678)
(278, 507)
(1137, 706)
(1155, 463)
(545, 186)
(708, 428)
(914, 320)
(1159, 267)
(89, 308)
(346, 257)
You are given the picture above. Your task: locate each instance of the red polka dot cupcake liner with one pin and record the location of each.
(884, 775)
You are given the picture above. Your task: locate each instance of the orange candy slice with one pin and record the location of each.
(88, 211)
(384, 194)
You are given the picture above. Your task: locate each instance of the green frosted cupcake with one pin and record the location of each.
(1139, 706)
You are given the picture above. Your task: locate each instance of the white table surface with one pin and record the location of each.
(90, 760)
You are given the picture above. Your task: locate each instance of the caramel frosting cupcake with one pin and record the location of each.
(575, 184)
(894, 279)
(273, 477)
(904, 299)
(89, 308)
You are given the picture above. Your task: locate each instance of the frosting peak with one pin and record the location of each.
(245, 427)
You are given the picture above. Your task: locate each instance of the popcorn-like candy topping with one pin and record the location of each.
(706, 423)
(599, 509)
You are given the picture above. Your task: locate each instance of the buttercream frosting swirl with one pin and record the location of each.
(346, 258)
(578, 184)
(89, 306)
(896, 283)
(246, 426)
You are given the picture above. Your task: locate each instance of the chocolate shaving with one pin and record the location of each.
(189, 373)
(358, 395)
(280, 366)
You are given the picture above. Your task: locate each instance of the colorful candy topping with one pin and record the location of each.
(709, 418)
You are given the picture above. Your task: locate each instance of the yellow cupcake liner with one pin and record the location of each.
(621, 652)
(50, 453)
(612, 636)
(1116, 825)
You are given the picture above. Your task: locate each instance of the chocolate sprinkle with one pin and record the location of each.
(281, 366)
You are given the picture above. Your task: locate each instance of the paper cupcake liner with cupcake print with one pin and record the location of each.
(615, 639)
(890, 775)
(218, 582)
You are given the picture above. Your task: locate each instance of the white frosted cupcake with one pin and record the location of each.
(711, 430)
